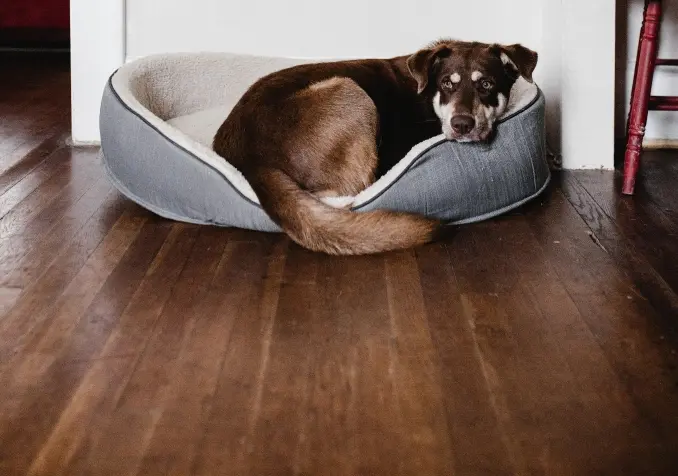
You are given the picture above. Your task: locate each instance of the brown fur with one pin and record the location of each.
(330, 129)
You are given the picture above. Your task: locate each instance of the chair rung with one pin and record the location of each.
(666, 62)
(663, 103)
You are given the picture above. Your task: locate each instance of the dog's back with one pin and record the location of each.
(330, 128)
(318, 138)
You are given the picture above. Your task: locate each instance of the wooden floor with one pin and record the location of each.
(543, 342)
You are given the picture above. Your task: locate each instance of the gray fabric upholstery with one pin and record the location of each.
(172, 174)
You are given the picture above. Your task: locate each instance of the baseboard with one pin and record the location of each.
(660, 144)
(83, 143)
(650, 144)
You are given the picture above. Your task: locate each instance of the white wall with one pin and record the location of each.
(661, 125)
(587, 82)
(321, 28)
(358, 28)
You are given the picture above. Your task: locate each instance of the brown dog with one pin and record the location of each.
(330, 129)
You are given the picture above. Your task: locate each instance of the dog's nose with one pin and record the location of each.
(463, 124)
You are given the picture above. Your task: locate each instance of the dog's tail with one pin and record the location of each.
(321, 227)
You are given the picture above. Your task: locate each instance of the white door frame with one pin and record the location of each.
(97, 49)
(576, 72)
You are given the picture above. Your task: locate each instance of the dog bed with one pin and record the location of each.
(159, 114)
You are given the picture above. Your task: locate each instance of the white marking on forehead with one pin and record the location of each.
(476, 75)
(455, 78)
(506, 60)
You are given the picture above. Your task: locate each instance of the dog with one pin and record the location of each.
(320, 130)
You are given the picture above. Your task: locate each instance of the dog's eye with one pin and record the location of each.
(485, 84)
(447, 83)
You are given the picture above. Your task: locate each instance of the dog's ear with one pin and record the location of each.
(520, 59)
(421, 63)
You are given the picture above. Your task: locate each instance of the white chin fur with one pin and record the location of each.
(444, 113)
(436, 105)
(501, 108)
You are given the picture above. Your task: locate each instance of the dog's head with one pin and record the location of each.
(469, 83)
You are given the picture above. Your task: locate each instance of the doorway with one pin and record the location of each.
(35, 24)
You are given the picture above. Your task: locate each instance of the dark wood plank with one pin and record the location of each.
(416, 372)
(177, 435)
(70, 441)
(614, 227)
(345, 351)
(73, 178)
(468, 396)
(31, 181)
(353, 420)
(19, 274)
(624, 324)
(34, 106)
(656, 180)
(47, 211)
(28, 144)
(77, 427)
(509, 350)
(278, 411)
(76, 329)
(236, 404)
(611, 433)
(46, 245)
(354, 376)
(90, 251)
(32, 159)
(143, 397)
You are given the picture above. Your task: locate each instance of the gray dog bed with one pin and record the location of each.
(159, 114)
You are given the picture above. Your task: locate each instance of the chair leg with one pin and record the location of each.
(640, 96)
(635, 75)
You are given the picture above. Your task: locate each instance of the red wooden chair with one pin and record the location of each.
(641, 100)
